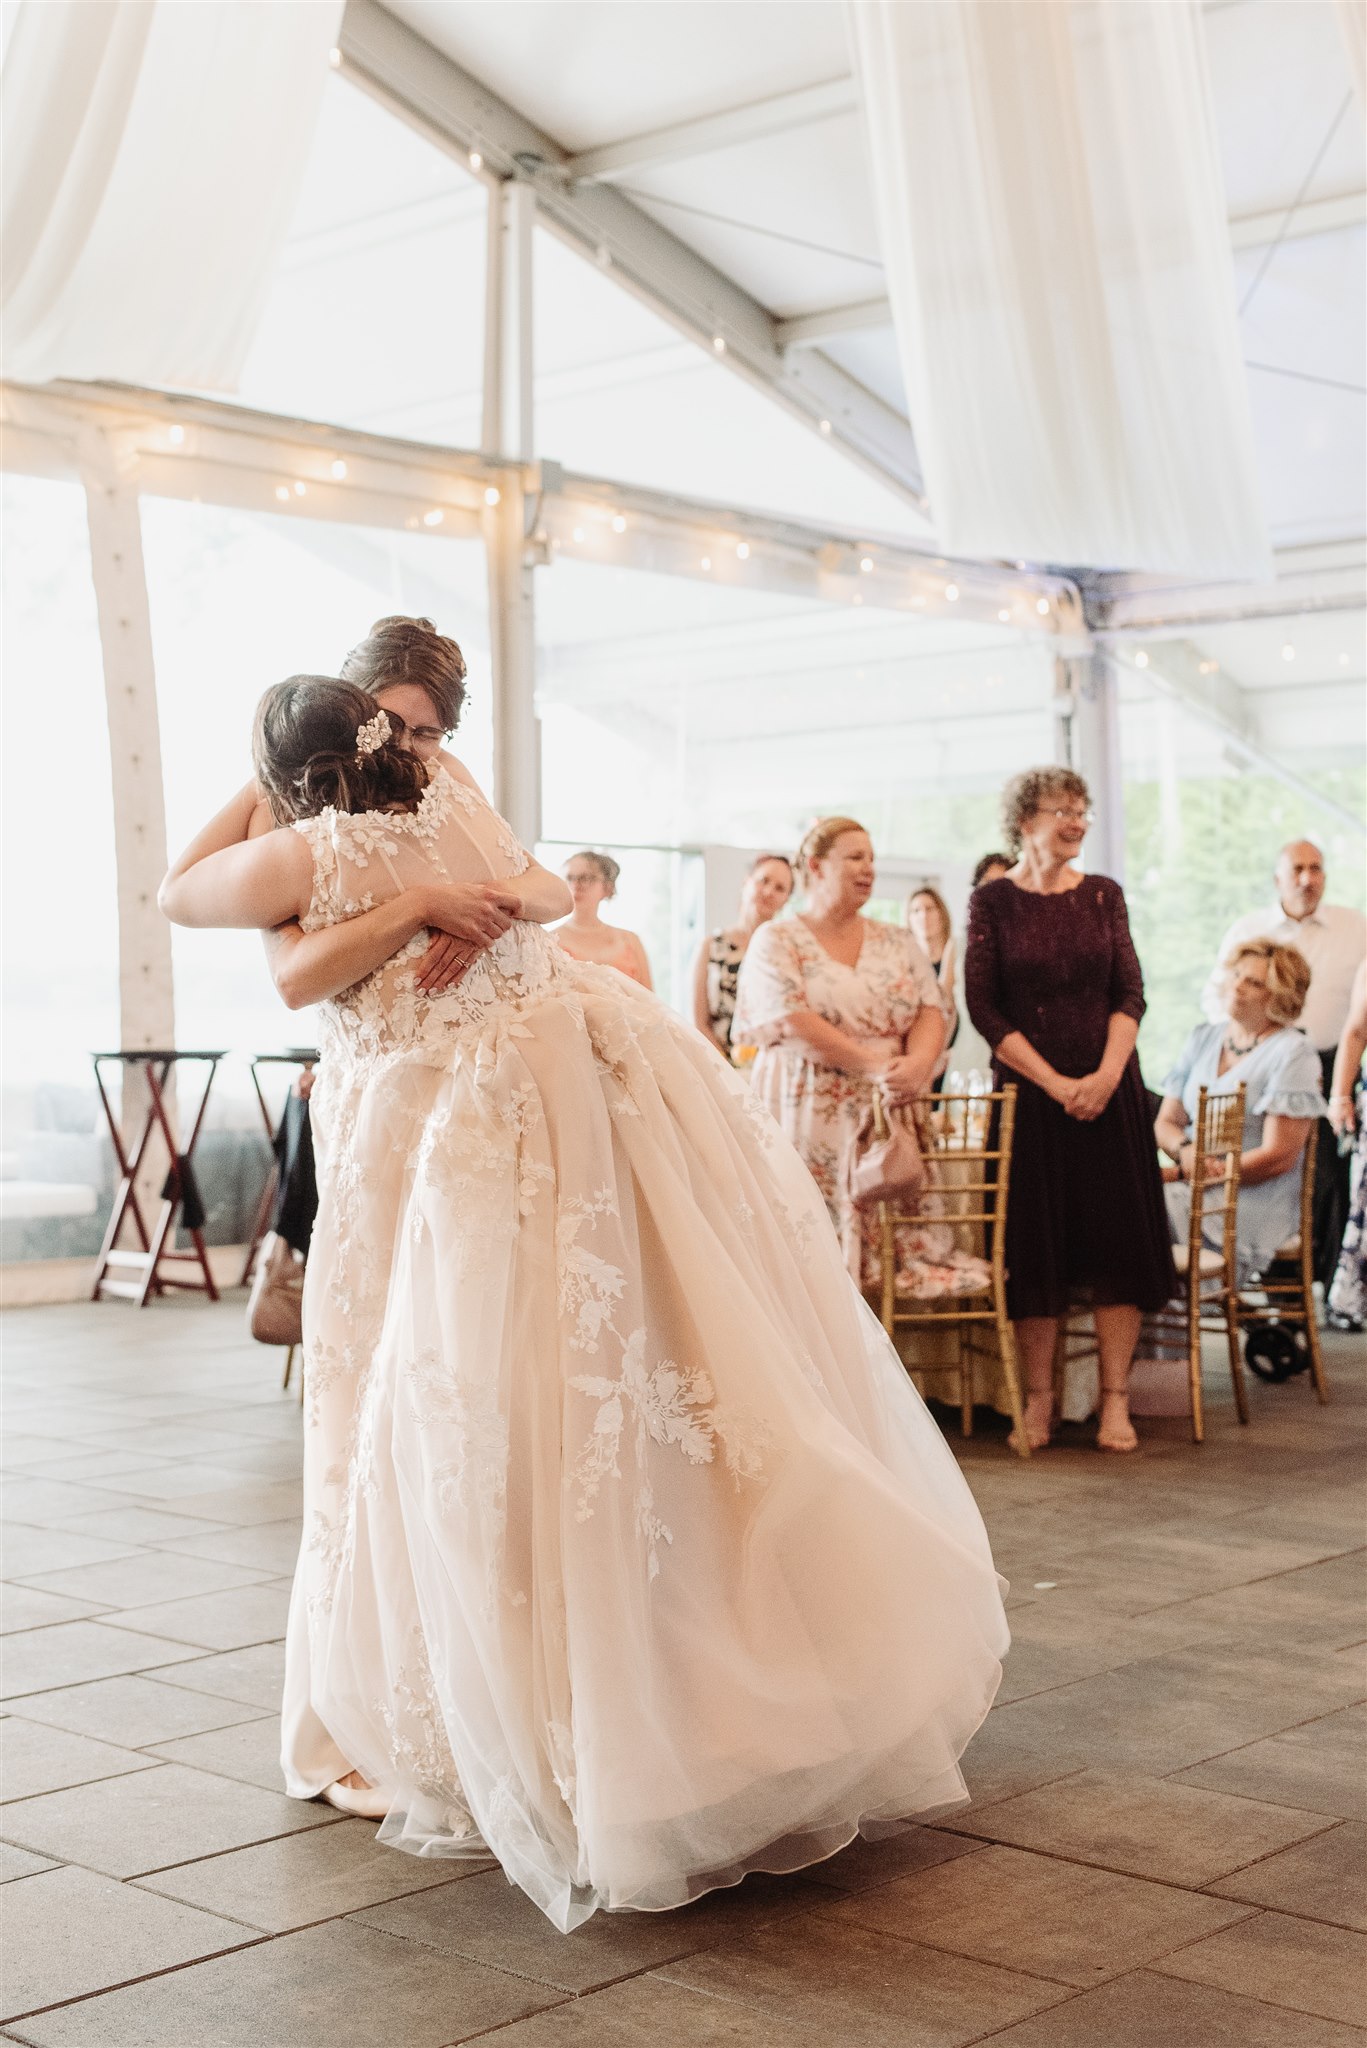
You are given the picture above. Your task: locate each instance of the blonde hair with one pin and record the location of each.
(938, 900)
(1288, 976)
(822, 838)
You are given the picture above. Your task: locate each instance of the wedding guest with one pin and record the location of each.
(593, 882)
(1333, 940)
(839, 1005)
(991, 868)
(1257, 1044)
(1348, 1293)
(716, 971)
(928, 918)
(1053, 984)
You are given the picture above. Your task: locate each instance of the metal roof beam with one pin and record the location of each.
(442, 101)
(684, 139)
(1328, 577)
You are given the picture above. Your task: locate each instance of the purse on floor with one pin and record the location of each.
(884, 1161)
(276, 1303)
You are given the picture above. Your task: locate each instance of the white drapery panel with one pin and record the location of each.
(1053, 224)
(153, 152)
(1352, 20)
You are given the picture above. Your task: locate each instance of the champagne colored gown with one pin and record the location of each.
(629, 1551)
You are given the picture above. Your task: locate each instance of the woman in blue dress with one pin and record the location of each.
(1258, 1044)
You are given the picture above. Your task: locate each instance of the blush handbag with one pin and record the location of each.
(275, 1307)
(884, 1161)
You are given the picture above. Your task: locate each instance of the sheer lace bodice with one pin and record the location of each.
(367, 858)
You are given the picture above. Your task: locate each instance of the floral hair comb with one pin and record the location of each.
(371, 736)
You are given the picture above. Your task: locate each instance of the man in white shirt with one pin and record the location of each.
(1333, 940)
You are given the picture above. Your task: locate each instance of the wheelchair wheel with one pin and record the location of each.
(1273, 1353)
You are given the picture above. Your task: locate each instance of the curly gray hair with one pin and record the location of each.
(1029, 792)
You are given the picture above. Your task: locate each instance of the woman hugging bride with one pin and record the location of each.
(630, 1554)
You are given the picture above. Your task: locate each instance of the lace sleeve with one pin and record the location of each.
(325, 903)
(982, 990)
(1127, 978)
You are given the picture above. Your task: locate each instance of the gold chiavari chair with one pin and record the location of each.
(1209, 1273)
(967, 1141)
(1285, 1293)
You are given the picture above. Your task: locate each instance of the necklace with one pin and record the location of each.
(1237, 1051)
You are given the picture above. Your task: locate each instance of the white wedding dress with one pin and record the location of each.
(629, 1550)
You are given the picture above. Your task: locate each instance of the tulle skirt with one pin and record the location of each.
(631, 1556)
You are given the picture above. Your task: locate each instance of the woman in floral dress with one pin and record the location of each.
(630, 1555)
(841, 1005)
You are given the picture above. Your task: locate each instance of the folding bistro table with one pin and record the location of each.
(179, 1196)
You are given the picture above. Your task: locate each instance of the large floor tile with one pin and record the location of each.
(173, 1481)
(329, 1987)
(1318, 1766)
(135, 1712)
(24, 1607)
(652, 2012)
(186, 1442)
(263, 1546)
(129, 1826)
(490, 1921)
(1322, 1879)
(858, 1987)
(40, 1659)
(865, 1864)
(143, 1579)
(246, 1503)
(1144, 2010)
(124, 1934)
(1147, 1827)
(249, 1752)
(301, 1878)
(1035, 1914)
(235, 1619)
(35, 1757)
(21, 1863)
(151, 1525)
(48, 1500)
(255, 1676)
(26, 1549)
(1300, 1964)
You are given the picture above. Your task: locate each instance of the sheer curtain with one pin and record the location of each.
(152, 154)
(1053, 225)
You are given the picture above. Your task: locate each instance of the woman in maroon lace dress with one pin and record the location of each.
(1053, 984)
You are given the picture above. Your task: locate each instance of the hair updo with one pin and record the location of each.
(404, 650)
(304, 751)
(822, 838)
(607, 867)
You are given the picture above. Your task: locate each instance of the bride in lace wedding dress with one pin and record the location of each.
(630, 1554)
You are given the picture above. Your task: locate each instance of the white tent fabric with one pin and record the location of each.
(1352, 19)
(153, 152)
(1054, 230)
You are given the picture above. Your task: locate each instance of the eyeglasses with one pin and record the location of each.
(1071, 817)
(425, 739)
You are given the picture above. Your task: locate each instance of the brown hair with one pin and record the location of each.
(1025, 794)
(761, 859)
(404, 650)
(1288, 976)
(306, 757)
(822, 838)
(938, 900)
(607, 867)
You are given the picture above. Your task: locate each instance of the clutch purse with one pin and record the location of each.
(884, 1162)
(275, 1306)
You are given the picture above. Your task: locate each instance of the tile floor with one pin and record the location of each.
(1166, 1844)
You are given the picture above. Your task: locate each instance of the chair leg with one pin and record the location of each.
(1006, 1340)
(1312, 1328)
(289, 1367)
(1230, 1312)
(1198, 1420)
(965, 1381)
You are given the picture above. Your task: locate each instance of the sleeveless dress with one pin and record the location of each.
(629, 1551)
(623, 957)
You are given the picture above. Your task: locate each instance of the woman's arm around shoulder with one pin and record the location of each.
(542, 897)
(224, 879)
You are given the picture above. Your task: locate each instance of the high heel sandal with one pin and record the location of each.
(1113, 1439)
(1038, 1422)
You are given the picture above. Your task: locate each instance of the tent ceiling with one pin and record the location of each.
(787, 214)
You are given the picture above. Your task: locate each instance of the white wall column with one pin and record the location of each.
(509, 433)
(1094, 733)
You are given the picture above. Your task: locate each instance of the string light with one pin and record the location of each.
(492, 494)
(824, 427)
(578, 536)
(1042, 607)
(434, 517)
(1288, 652)
(866, 564)
(339, 469)
(619, 524)
(1004, 616)
(1141, 659)
(335, 59)
(476, 160)
(176, 436)
(742, 551)
(282, 492)
(706, 562)
(1208, 668)
(719, 344)
(952, 593)
(299, 488)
